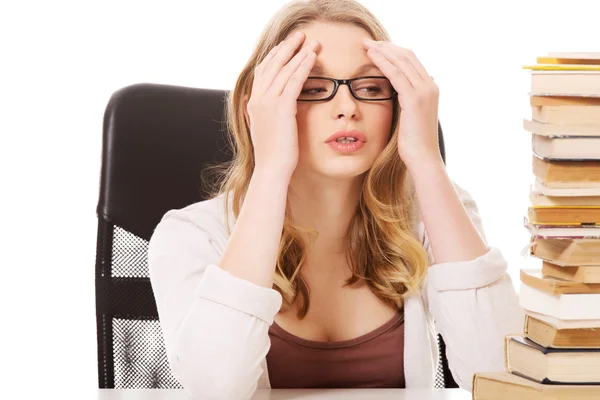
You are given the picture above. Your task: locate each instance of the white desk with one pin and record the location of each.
(304, 394)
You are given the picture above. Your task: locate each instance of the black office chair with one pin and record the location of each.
(156, 141)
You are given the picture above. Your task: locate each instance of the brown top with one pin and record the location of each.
(373, 360)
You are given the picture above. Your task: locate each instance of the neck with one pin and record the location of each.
(326, 205)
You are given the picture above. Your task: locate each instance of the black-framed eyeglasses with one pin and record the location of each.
(367, 88)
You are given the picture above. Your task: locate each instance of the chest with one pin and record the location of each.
(337, 313)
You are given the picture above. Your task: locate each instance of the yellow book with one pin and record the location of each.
(564, 215)
(555, 60)
(562, 67)
(570, 57)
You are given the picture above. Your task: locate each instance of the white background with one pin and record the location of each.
(61, 61)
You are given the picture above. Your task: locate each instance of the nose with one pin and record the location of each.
(344, 103)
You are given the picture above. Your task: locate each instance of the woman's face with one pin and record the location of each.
(341, 56)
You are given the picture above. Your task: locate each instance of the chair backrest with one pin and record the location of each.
(156, 141)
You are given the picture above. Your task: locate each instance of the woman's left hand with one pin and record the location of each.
(418, 96)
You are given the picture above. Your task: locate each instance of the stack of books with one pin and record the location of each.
(557, 355)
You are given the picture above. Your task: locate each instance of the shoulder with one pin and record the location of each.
(201, 213)
(206, 218)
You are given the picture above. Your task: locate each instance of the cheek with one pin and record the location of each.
(307, 121)
(301, 124)
(380, 123)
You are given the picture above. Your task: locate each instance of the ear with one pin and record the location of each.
(245, 105)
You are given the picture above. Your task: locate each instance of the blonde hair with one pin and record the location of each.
(383, 249)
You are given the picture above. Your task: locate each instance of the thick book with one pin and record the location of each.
(566, 174)
(542, 188)
(566, 148)
(526, 358)
(564, 215)
(560, 130)
(534, 278)
(567, 115)
(565, 83)
(507, 386)
(540, 199)
(561, 306)
(589, 274)
(567, 252)
(547, 335)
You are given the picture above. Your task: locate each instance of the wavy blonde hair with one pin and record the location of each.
(383, 250)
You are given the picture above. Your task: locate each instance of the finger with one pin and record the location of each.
(418, 65)
(259, 70)
(291, 67)
(280, 59)
(403, 64)
(396, 77)
(296, 82)
(402, 53)
(399, 53)
(286, 72)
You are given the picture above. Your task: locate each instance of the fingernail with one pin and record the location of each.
(367, 40)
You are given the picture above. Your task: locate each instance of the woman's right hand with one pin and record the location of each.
(271, 109)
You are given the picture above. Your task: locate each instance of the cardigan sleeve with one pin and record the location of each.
(215, 325)
(474, 305)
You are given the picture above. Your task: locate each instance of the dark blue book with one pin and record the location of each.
(570, 366)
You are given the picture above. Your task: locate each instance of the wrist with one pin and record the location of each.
(424, 162)
(272, 175)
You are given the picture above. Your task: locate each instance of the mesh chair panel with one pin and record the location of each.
(129, 255)
(139, 355)
(131, 345)
(140, 359)
(439, 374)
(443, 376)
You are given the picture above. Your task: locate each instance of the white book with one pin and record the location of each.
(540, 199)
(566, 148)
(561, 306)
(565, 83)
(555, 130)
(566, 232)
(540, 187)
(566, 324)
(575, 55)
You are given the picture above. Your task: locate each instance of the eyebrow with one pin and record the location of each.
(318, 69)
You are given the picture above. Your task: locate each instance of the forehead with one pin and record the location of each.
(341, 52)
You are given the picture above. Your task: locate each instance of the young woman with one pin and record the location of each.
(343, 245)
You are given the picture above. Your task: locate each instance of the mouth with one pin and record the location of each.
(346, 147)
(346, 137)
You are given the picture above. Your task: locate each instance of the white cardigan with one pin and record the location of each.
(215, 326)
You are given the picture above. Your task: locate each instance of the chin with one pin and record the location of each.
(342, 167)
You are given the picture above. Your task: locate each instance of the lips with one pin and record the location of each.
(358, 135)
